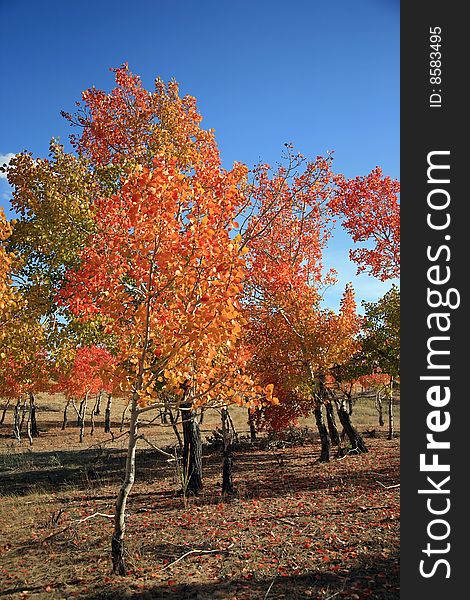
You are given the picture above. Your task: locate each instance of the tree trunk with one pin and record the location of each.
(379, 407)
(117, 542)
(251, 423)
(192, 450)
(83, 406)
(23, 413)
(77, 412)
(97, 410)
(64, 422)
(227, 451)
(390, 411)
(107, 415)
(16, 421)
(175, 428)
(355, 439)
(80, 413)
(333, 430)
(92, 421)
(350, 404)
(28, 427)
(323, 431)
(232, 427)
(5, 408)
(33, 421)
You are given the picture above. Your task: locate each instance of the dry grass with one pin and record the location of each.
(295, 529)
(50, 415)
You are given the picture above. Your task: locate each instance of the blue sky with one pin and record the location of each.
(322, 75)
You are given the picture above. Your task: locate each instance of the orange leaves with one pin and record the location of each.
(161, 269)
(293, 340)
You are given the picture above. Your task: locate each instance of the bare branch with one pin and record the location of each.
(216, 551)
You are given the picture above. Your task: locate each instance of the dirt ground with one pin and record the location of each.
(295, 528)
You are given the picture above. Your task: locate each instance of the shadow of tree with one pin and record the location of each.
(258, 473)
(376, 578)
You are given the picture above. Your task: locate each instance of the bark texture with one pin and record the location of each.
(192, 450)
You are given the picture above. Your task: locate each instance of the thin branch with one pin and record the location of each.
(96, 514)
(387, 487)
(216, 551)
(172, 458)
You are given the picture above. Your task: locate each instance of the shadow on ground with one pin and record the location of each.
(91, 469)
(377, 579)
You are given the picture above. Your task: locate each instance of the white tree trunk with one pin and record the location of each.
(117, 543)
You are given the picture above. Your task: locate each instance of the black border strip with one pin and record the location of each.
(429, 124)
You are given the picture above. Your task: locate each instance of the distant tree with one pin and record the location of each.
(381, 340)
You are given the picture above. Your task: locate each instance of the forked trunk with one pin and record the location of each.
(324, 436)
(192, 450)
(81, 414)
(232, 427)
(24, 411)
(332, 428)
(355, 439)
(117, 542)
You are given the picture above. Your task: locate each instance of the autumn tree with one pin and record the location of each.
(52, 204)
(129, 126)
(370, 212)
(381, 341)
(90, 372)
(24, 363)
(294, 340)
(162, 268)
(9, 298)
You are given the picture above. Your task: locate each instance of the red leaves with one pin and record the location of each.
(370, 212)
(89, 373)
